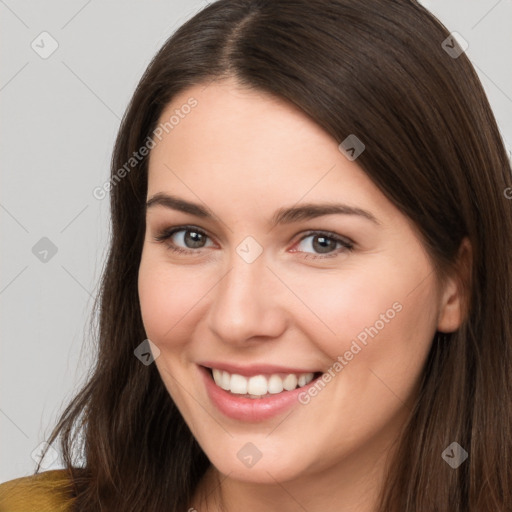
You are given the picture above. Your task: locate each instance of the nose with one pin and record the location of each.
(246, 305)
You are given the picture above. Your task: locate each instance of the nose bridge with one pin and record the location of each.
(243, 306)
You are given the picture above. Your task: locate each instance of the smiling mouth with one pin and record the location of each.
(260, 386)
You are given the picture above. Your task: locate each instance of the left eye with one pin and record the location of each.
(321, 243)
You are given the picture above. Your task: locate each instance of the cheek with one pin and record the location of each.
(168, 299)
(169, 302)
(378, 317)
(337, 308)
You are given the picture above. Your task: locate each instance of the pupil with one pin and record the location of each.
(324, 244)
(193, 239)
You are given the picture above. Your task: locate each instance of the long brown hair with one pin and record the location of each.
(380, 70)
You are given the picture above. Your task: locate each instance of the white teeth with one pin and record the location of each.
(221, 378)
(275, 384)
(258, 385)
(290, 382)
(238, 384)
(217, 376)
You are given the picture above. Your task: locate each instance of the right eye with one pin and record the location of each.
(183, 239)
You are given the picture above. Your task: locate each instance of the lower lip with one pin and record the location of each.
(250, 409)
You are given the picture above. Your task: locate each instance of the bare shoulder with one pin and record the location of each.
(49, 491)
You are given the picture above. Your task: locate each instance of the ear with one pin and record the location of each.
(453, 306)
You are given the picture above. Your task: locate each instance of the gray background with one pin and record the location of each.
(60, 115)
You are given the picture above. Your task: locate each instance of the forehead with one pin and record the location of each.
(238, 124)
(250, 144)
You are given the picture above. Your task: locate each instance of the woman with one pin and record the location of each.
(306, 304)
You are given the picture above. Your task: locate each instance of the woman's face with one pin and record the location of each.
(260, 279)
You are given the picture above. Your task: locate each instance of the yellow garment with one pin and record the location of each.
(50, 491)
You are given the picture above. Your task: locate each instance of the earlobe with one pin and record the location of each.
(454, 303)
(450, 315)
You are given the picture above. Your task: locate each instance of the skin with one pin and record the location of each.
(244, 154)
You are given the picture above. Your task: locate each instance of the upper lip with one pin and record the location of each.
(254, 369)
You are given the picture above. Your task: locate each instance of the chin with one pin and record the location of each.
(259, 461)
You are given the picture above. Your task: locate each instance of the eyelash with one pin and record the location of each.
(166, 234)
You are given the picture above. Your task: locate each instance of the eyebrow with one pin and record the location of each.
(285, 215)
